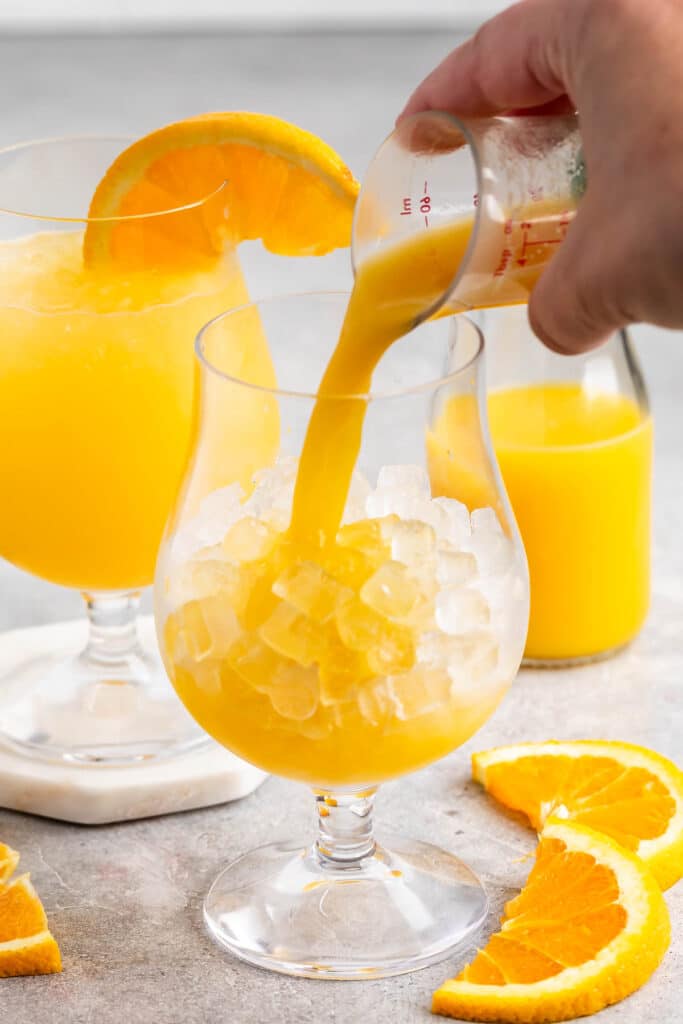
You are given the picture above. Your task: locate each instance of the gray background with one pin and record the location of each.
(124, 901)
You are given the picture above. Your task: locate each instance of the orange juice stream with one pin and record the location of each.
(391, 291)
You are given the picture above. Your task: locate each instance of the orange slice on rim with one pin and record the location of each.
(239, 176)
(625, 791)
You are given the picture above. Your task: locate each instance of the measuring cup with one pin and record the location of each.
(496, 196)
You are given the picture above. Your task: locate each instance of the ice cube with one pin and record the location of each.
(387, 525)
(348, 566)
(311, 590)
(359, 626)
(274, 478)
(294, 691)
(412, 542)
(277, 518)
(485, 520)
(340, 671)
(494, 552)
(434, 649)
(204, 577)
(497, 591)
(209, 627)
(376, 702)
(421, 617)
(207, 676)
(420, 692)
(173, 640)
(273, 490)
(390, 591)
(460, 610)
(359, 492)
(292, 635)
(404, 480)
(218, 511)
(253, 661)
(473, 658)
(379, 505)
(249, 540)
(455, 521)
(454, 567)
(365, 536)
(394, 651)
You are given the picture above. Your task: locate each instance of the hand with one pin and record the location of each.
(618, 62)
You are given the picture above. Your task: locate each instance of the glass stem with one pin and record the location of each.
(113, 631)
(345, 834)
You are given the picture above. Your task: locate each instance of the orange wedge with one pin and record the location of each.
(9, 859)
(625, 791)
(589, 927)
(264, 178)
(26, 945)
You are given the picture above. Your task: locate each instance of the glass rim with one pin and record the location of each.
(84, 218)
(370, 396)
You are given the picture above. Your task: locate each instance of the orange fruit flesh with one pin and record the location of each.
(249, 175)
(629, 804)
(567, 912)
(21, 912)
(26, 945)
(9, 859)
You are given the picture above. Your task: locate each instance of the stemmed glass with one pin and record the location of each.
(96, 385)
(349, 662)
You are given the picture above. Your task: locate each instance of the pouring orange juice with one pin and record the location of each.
(467, 214)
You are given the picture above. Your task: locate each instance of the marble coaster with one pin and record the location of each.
(102, 794)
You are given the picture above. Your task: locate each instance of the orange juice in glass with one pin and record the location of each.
(96, 405)
(324, 614)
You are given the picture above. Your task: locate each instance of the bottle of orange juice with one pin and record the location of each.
(573, 437)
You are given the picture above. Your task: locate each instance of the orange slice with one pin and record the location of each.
(265, 178)
(589, 927)
(9, 859)
(26, 945)
(625, 791)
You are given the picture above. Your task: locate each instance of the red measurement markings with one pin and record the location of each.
(506, 254)
(424, 203)
(527, 227)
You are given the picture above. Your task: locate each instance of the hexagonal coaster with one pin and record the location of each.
(99, 794)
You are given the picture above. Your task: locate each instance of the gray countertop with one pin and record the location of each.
(125, 901)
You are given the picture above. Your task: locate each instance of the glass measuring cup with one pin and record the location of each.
(491, 198)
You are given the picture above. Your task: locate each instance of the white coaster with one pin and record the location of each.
(98, 795)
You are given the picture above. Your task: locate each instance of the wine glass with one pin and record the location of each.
(349, 660)
(96, 395)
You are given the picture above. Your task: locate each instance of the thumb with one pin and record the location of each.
(575, 305)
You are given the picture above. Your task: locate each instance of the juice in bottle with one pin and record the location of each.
(577, 468)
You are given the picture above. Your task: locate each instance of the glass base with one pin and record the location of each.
(71, 707)
(290, 910)
(582, 659)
